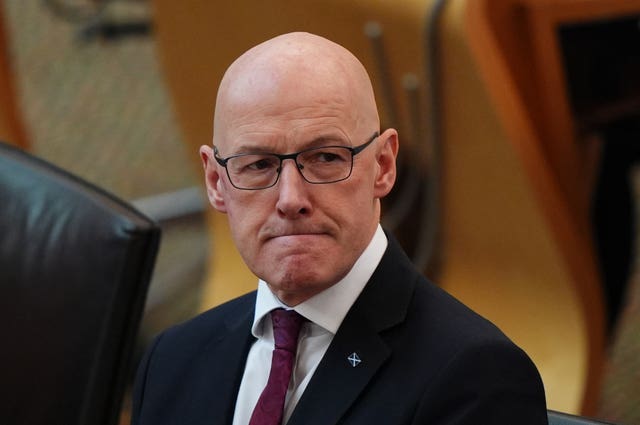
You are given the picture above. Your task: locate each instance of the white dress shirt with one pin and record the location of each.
(325, 312)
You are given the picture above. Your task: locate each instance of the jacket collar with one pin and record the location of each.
(339, 380)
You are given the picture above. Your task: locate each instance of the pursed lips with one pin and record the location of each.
(296, 234)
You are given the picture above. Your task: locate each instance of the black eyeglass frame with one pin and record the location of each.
(294, 156)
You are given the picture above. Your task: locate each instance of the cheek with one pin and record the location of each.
(245, 219)
(360, 200)
(356, 212)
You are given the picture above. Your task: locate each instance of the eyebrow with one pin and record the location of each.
(326, 140)
(319, 141)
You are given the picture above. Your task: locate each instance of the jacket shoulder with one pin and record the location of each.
(208, 324)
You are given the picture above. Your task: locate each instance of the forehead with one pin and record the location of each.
(288, 122)
(285, 139)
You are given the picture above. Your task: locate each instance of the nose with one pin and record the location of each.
(293, 196)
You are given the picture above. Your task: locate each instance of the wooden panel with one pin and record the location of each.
(11, 127)
(531, 101)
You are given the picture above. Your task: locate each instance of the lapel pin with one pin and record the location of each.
(353, 359)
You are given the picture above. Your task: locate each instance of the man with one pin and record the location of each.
(299, 166)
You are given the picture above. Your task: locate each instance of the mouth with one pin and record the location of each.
(295, 234)
(298, 243)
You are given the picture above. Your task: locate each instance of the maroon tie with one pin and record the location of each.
(270, 406)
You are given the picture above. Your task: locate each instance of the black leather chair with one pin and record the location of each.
(75, 265)
(558, 418)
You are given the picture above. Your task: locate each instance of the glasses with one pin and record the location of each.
(323, 165)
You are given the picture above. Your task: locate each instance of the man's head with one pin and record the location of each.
(291, 93)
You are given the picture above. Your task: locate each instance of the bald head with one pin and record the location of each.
(291, 71)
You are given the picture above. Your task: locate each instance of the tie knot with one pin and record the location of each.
(286, 328)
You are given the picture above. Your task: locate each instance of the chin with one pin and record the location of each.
(299, 279)
(302, 272)
(293, 293)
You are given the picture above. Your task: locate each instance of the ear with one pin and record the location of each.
(212, 179)
(386, 161)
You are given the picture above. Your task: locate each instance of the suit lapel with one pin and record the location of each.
(222, 368)
(337, 384)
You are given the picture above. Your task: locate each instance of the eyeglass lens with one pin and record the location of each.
(319, 165)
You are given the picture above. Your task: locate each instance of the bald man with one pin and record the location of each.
(299, 165)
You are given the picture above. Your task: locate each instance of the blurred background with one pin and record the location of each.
(519, 124)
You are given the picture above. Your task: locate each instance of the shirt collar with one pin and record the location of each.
(328, 308)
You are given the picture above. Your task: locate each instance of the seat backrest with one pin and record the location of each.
(558, 418)
(75, 264)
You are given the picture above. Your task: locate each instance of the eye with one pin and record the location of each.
(253, 163)
(262, 164)
(327, 155)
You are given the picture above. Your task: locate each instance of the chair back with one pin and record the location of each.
(75, 264)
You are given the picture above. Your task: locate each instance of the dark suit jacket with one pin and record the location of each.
(426, 359)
